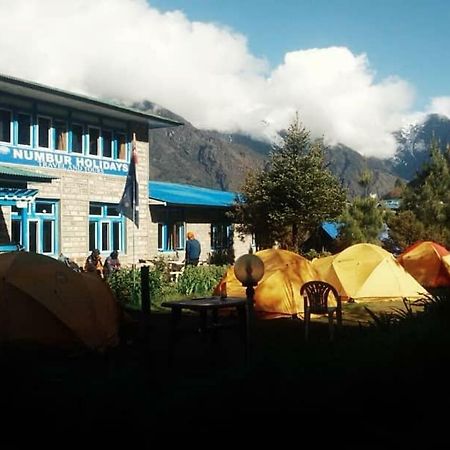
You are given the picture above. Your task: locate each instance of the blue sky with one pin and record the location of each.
(405, 38)
(354, 71)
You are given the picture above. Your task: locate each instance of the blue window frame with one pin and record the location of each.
(120, 146)
(76, 138)
(221, 236)
(44, 132)
(106, 228)
(94, 140)
(107, 144)
(59, 134)
(171, 236)
(41, 230)
(23, 129)
(5, 125)
(32, 129)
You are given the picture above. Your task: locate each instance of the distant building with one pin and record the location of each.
(323, 239)
(392, 203)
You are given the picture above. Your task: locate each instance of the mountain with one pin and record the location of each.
(414, 142)
(211, 159)
(188, 155)
(347, 165)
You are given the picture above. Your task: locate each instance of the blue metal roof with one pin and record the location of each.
(11, 195)
(331, 228)
(184, 194)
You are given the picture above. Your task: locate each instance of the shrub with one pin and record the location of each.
(312, 253)
(126, 285)
(199, 280)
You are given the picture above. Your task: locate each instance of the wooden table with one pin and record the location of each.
(208, 324)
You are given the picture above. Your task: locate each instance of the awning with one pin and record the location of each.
(187, 195)
(22, 174)
(14, 196)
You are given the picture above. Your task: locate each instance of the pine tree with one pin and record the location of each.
(427, 197)
(292, 195)
(362, 221)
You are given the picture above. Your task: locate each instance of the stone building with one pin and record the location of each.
(64, 159)
(176, 209)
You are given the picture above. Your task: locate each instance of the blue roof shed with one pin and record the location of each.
(187, 195)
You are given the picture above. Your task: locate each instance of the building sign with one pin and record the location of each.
(50, 159)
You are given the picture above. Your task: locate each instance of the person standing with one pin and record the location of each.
(112, 264)
(193, 250)
(94, 263)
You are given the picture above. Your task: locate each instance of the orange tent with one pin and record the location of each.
(424, 261)
(279, 289)
(43, 301)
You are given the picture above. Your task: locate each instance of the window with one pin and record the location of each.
(107, 143)
(121, 143)
(77, 138)
(40, 227)
(60, 137)
(221, 236)
(23, 129)
(106, 228)
(44, 126)
(5, 125)
(171, 236)
(94, 135)
(16, 231)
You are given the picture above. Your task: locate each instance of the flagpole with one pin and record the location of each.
(134, 225)
(129, 203)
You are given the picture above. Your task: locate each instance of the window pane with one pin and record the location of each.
(15, 231)
(107, 143)
(94, 134)
(179, 236)
(92, 233)
(47, 241)
(24, 124)
(5, 126)
(220, 236)
(105, 236)
(44, 129)
(95, 210)
(160, 236)
(116, 236)
(60, 135)
(77, 138)
(44, 208)
(32, 235)
(121, 146)
(112, 211)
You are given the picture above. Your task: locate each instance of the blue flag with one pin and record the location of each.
(129, 203)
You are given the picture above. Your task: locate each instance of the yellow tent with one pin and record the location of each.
(43, 301)
(367, 272)
(425, 262)
(279, 289)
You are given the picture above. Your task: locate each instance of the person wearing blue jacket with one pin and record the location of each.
(193, 250)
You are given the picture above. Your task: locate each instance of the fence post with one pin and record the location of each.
(145, 292)
(145, 304)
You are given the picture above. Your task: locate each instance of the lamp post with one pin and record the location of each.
(249, 269)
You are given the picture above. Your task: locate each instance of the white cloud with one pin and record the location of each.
(126, 50)
(439, 105)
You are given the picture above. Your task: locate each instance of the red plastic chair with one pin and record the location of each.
(316, 296)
